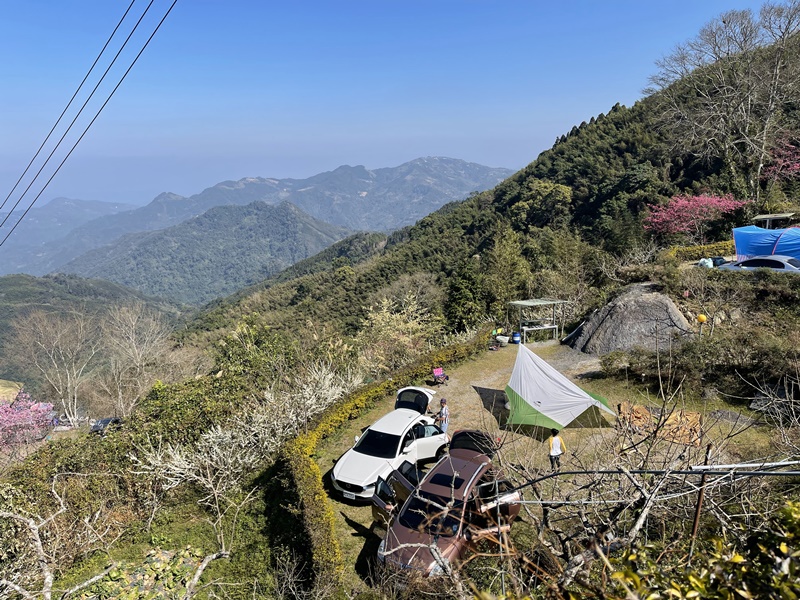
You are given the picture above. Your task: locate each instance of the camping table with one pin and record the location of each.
(539, 327)
(526, 324)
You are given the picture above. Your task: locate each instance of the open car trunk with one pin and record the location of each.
(414, 398)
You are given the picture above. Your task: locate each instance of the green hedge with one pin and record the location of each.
(684, 253)
(296, 480)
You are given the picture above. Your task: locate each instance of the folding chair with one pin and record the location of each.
(439, 375)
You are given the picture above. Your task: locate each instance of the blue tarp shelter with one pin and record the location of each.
(756, 241)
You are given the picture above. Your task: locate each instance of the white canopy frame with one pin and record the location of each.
(528, 324)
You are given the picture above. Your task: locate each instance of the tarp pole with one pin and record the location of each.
(778, 241)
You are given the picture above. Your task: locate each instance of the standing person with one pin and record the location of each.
(557, 448)
(443, 416)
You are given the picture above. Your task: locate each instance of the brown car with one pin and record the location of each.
(461, 500)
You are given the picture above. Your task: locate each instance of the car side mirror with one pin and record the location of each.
(356, 438)
(407, 446)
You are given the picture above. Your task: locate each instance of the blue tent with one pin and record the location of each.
(756, 241)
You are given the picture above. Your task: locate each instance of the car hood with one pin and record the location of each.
(361, 469)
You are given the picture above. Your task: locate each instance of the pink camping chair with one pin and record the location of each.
(439, 376)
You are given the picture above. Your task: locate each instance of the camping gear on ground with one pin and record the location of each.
(756, 241)
(502, 340)
(539, 395)
(516, 338)
(705, 263)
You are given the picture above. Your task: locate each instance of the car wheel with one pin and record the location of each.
(441, 452)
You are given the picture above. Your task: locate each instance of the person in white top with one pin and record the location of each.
(557, 448)
(442, 418)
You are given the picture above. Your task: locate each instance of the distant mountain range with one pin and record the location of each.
(51, 221)
(116, 241)
(353, 197)
(213, 255)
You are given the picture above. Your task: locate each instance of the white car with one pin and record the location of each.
(405, 434)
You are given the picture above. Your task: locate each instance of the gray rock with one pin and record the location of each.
(640, 317)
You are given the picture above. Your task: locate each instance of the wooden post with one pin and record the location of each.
(699, 506)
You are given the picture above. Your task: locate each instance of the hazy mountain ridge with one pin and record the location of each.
(389, 198)
(211, 255)
(43, 224)
(353, 197)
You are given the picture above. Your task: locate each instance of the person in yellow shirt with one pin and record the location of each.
(557, 448)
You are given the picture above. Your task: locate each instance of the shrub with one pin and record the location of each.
(685, 253)
(767, 565)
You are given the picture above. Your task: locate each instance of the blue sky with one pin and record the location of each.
(235, 88)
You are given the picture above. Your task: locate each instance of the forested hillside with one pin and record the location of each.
(64, 293)
(576, 205)
(216, 486)
(213, 255)
(51, 330)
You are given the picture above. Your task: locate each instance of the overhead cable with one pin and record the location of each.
(66, 108)
(97, 114)
(69, 128)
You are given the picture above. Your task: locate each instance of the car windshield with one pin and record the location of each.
(429, 512)
(378, 444)
(794, 262)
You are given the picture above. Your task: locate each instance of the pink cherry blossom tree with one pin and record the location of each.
(690, 216)
(785, 163)
(24, 420)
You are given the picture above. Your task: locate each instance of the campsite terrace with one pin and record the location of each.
(476, 398)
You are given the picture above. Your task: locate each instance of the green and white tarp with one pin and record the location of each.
(541, 396)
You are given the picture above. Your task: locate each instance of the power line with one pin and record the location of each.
(61, 164)
(66, 108)
(75, 118)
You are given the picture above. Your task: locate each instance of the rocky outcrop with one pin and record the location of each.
(640, 317)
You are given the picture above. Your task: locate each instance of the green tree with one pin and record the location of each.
(505, 272)
(541, 203)
(465, 306)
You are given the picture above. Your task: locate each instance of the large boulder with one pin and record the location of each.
(640, 317)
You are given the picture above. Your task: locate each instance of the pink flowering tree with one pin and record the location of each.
(690, 216)
(785, 165)
(24, 420)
